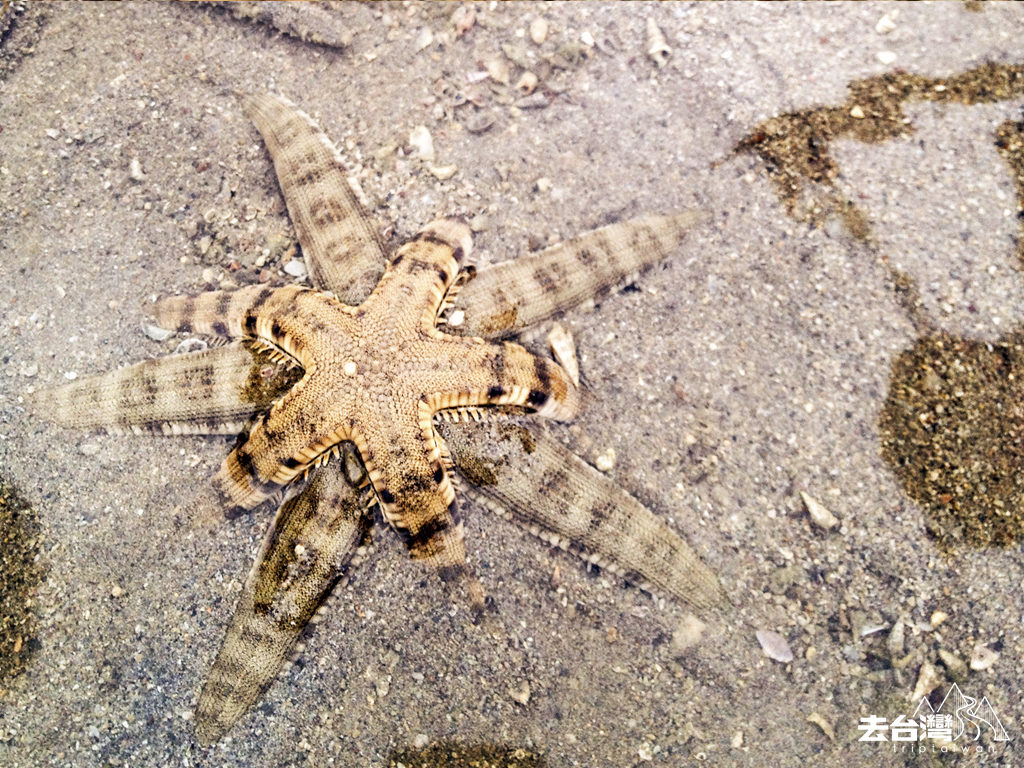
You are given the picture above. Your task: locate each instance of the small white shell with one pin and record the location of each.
(983, 657)
(564, 349)
(657, 48)
(774, 645)
(820, 515)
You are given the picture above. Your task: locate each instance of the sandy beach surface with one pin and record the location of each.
(845, 326)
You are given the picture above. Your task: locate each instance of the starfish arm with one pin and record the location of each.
(474, 372)
(343, 251)
(312, 544)
(278, 317)
(420, 275)
(303, 429)
(214, 391)
(505, 298)
(530, 477)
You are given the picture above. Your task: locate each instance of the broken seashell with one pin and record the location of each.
(564, 349)
(983, 657)
(527, 82)
(774, 645)
(820, 515)
(657, 48)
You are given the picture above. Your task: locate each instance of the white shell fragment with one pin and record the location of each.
(774, 645)
(928, 680)
(820, 515)
(825, 725)
(422, 142)
(563, 347)
(135, 172)
(527, 83)
(983, 657)
(606, 460)
(887, 23)
(687, 634)
(539, 30)
(295, 268)
(443, 172)
(657, 48)
(156, 333)
(423, 39)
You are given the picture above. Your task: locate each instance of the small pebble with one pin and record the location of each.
(539, 30)
(606, 460)
(527, 83)
(535, 100)
(53, 133)
(737, 740)
(498, 69)
(657, 48)
(938, 617)
(88, 449)
(928, 680)
(135, 170)
(646, 752)
(443, 172)
(29, 371)
(542, 185)
(420, 741)
(156, 333)
(896, 639)
(887, 23)
(522, 695)
(956, 666)
(479, 121)
(423, 39)
(116, 591)
(886, 57)
(857, 112)
(774, 645)
(463, 19)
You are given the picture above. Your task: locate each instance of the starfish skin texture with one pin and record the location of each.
(365, 393)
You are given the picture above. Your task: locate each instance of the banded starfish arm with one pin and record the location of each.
(505, 298)
(214, 391)
(313, 543)
(475, 372)
(343, 251)
(531, 478)
(420, 275)
(274, 452)
(275, 316)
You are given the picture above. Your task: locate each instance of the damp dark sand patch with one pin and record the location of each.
(952, 428)
(20, 574)
(796, 147)
(448, 754)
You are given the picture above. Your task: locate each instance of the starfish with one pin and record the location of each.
(337, 389)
